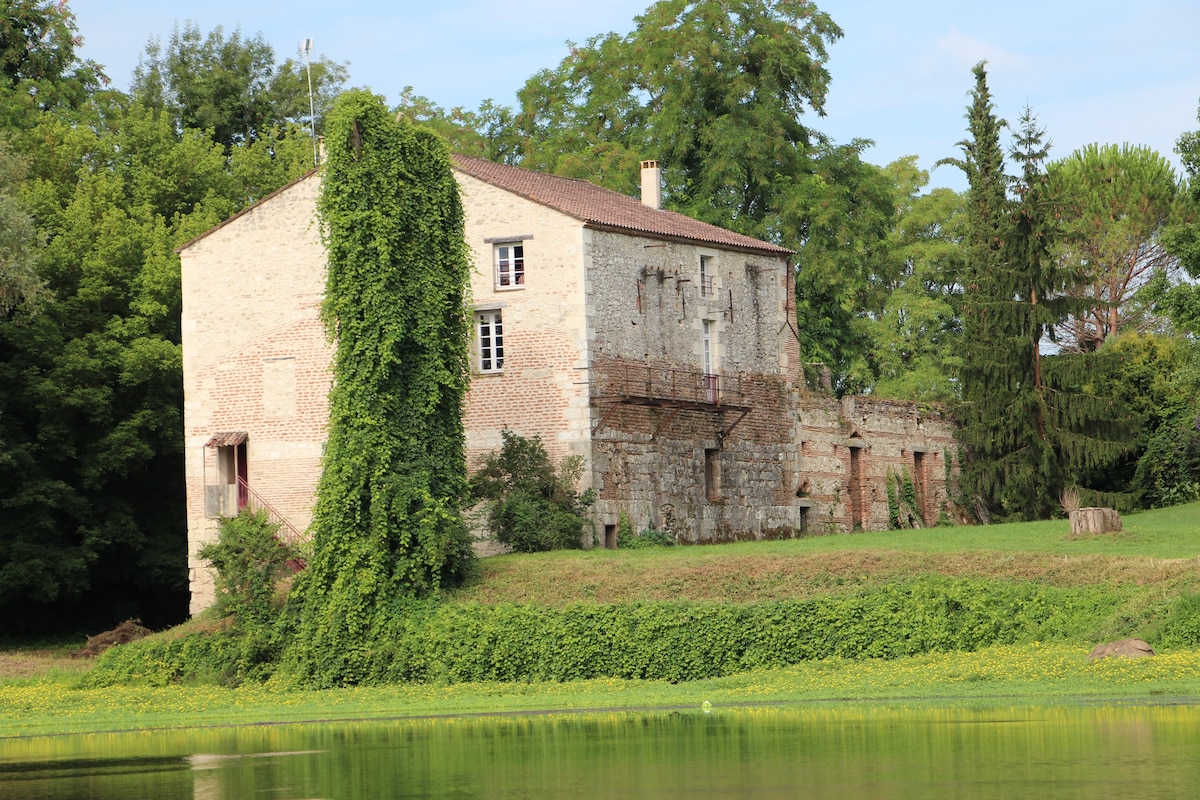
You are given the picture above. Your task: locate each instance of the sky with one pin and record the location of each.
(1091, 70)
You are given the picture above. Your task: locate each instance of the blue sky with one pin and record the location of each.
(1098, 71)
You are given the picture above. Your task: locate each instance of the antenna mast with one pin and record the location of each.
(312, 114)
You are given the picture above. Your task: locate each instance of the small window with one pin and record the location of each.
(489, 329)
(706, 276)
(510, 266)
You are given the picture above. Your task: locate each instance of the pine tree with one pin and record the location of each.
(1030, 423)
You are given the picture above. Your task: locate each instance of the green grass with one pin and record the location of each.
(1154, 563)
(1037, 673)
(1158, 548)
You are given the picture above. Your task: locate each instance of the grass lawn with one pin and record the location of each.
(1155, 559)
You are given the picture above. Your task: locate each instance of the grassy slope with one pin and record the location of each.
(1157, 549)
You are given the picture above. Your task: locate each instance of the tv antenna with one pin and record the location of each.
(306, 48)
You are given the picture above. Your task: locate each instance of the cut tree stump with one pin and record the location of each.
(1094, 521)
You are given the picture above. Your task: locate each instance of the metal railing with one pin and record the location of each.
(288, 532)
(639, 381)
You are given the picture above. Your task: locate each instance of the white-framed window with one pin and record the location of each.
(708, 341)
(706, 276)
(510, 265)
(489, 338)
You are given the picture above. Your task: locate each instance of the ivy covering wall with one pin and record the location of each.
(386, 525)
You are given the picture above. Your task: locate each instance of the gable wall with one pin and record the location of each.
(255, 359)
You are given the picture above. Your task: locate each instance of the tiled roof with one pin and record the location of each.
(603, 208)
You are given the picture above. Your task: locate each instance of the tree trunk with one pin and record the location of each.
(1094, 521)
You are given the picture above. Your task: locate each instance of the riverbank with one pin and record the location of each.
(1142, 581)
(1036, 673)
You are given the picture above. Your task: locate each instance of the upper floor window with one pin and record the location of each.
(489, 335)
(510, 265)
(706, 276)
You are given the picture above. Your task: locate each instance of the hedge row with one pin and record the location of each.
(676, 641)
(683, 641)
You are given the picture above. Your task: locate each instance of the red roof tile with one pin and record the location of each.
(606, 209)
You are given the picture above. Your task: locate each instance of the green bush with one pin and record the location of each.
(531, 505)
(1181, 628)
(250, 560)
(436, 642)
(683, 641)
(1168, 473)
(196, 658)
(647, 538)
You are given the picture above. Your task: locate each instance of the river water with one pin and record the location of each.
(827, 751)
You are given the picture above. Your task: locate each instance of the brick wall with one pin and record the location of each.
(255, 359)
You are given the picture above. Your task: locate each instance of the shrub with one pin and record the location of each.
(628, 540)
(531, 506)
(1168, 473)
(249, 559)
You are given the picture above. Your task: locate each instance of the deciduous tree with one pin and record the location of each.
(1113, 203)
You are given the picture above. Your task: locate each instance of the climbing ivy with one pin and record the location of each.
(386, 524)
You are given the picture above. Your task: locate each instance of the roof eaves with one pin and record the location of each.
(767, 249)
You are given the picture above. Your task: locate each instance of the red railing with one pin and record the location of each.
(630, 380)
(255, 502)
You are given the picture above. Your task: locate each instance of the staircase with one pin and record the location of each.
(288, 533)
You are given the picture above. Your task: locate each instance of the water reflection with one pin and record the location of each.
(831, 752)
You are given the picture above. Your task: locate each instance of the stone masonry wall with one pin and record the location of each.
(698, 475)
(877, 437)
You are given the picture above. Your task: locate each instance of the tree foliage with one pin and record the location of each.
(19, 238)
(231, 85)
(1031, 423)
(386, 523)
(1114, 202)
(98, 193)
(915, 336)
(714, 89)
(39, 70)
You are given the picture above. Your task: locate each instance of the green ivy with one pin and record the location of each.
(386, 525)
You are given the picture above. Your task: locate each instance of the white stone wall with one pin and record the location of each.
(255, 359)
(542, 390)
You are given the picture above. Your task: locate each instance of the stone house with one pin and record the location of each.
(659, 348)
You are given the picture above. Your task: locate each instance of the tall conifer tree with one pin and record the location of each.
(1030, 423)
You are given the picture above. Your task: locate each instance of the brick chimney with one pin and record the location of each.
(651, 185)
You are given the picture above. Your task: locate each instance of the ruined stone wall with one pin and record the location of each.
(838, 438)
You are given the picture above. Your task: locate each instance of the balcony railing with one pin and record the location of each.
(632, 382)
(288, 532)
(627, 383)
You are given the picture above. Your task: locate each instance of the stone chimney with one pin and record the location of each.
(651, 185)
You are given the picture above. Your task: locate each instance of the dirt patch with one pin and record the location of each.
(128, 631)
